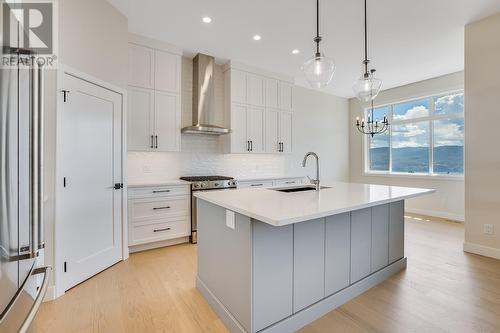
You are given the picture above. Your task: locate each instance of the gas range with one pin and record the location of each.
(210, 183)
(207, 183)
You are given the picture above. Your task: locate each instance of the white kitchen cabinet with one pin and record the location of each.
(238, 90)
(154, 110)
(141, 66)
(239, 139)
(286, 131)
(286, 96)
(167, 122)
(158, 214)
(272, 131)
(255, 129)
(272, 93)
(255, 90)
(167, 70)
(140, 119)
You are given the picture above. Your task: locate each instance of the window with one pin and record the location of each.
(426, 137)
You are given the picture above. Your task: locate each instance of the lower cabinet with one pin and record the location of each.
(337, 253)
(308, 263)
(396, 231)
(361, 231)
(158, 214)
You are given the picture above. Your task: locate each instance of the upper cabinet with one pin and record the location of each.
(258, 109)
(154, 110)
(141, 66)
(167, 63)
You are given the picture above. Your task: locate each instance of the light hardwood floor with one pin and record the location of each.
(442, 290)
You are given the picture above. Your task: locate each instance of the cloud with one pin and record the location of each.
(448, 133)
(415, 112)
(450, 103)
(410, 135)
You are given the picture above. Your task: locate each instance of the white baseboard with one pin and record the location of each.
(485, 251)
(50, 295)
(443, 215)
(156, 245)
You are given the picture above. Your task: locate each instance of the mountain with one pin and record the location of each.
(447, 159)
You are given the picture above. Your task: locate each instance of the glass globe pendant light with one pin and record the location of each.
(319, 69)
(368, 86)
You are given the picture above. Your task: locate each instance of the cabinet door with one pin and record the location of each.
(272, 93)
(239, 138)
(286, 96)
(396, 231)
(337, 253)
(272, 131)
(361, 235)
(167, 122)
(141, 66)
(286, 131)
(140, 119)
(238, 86)
(256, 90)
(167, 73)
(308, 263)
(255, 129)
(380, 237)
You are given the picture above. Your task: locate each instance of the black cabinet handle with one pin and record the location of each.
(248, 145)
(160, 230)
(162, 191)
(251, 145)
(152, 141)
(161, 208)
(156, 139)
(257, 185)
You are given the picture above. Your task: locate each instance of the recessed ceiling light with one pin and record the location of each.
(206, 19)
(257, 37)
(295, 51)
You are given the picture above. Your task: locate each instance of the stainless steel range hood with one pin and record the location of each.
(204, 111)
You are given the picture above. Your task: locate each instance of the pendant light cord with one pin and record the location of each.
(366, 42)
(318, 38)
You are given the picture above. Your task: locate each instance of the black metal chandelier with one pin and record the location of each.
(372, 126)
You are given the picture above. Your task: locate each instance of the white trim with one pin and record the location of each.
(482, 250)
(50, 295)
(434, 213)
(58, 260)
(160, 244)
(422, 176)
(153, 44)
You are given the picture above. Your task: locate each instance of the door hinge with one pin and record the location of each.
(118, 186)
(65, 267)
(65, 95)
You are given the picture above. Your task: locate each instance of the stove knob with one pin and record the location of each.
(216, 184)
(202, 185)
(196, 185)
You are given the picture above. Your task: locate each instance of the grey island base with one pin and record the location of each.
(264, 278)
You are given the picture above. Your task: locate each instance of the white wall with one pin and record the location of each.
(320, 126)
(93, 39)
(448, 202)
(482, 153)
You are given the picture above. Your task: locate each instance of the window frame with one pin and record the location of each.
(430, 119)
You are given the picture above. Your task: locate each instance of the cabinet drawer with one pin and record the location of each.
(288, 182)
(158, 191)
(158, 231)
(256, 184)
(140, 209)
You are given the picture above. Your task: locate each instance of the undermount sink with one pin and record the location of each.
(297, 189)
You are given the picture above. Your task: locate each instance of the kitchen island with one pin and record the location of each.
(273, 261)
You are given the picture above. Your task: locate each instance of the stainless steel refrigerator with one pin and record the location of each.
(23, 282)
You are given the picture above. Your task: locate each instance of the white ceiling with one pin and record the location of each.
(409, 40)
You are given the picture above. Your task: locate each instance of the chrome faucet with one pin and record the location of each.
(313, 181)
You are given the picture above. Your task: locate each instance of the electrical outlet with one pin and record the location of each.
(488, 229)
(230, 219)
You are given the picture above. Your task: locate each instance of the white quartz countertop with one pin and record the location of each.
(171, 182)
(279, 208)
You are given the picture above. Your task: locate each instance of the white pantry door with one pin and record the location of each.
(89, 207)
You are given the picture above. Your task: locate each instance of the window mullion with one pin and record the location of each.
(389, 110)
(431, 135)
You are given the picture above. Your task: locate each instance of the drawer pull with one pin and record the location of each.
(290, 182)
(160, 208)
(257, 185)
(162, 191)
(160, 230)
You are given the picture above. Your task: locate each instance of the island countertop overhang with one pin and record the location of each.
(281, 209)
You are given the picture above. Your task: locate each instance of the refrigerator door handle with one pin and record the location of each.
(40, 157)
(39, 298)
(34, 162)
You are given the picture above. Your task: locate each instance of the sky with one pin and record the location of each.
(447, 132)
